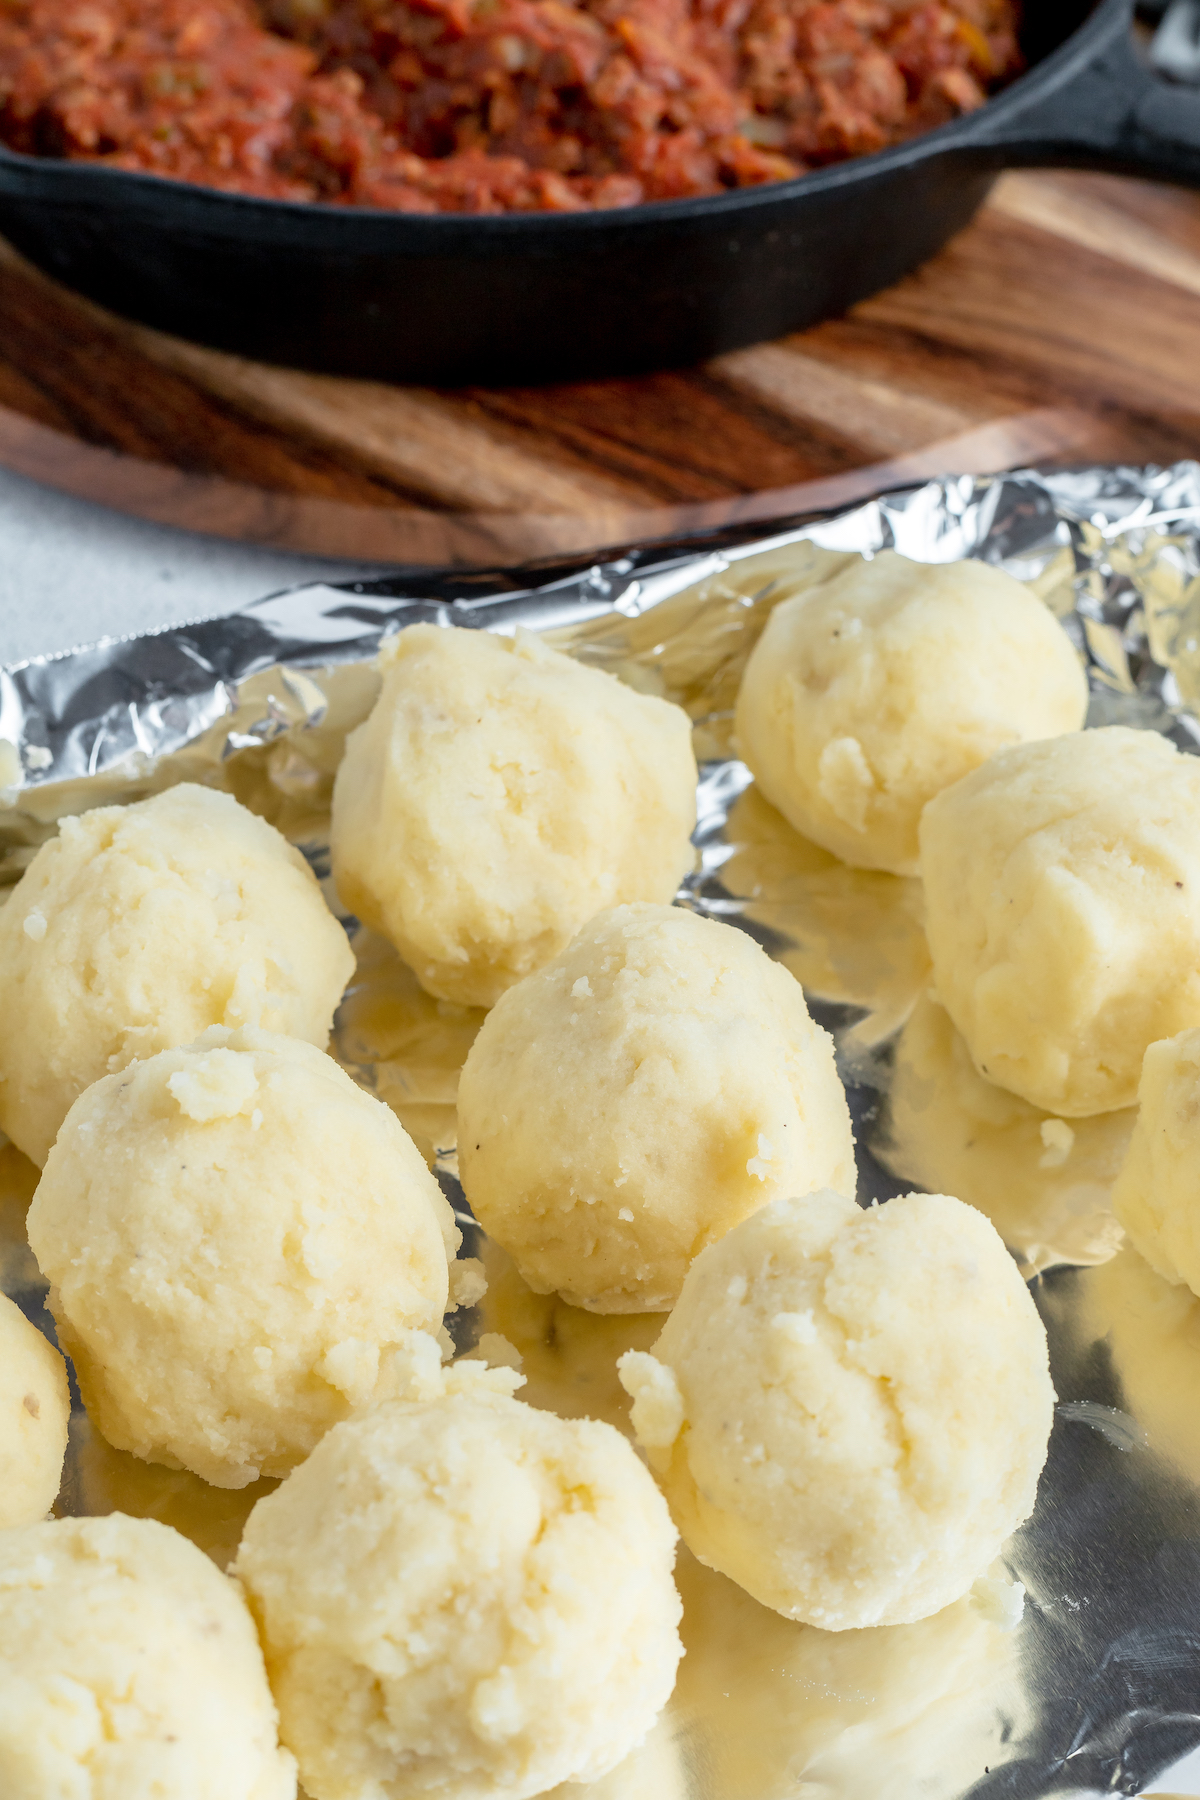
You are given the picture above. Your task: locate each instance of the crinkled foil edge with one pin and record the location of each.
(1124, 541)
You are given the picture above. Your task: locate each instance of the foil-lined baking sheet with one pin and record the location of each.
(1097, 1691)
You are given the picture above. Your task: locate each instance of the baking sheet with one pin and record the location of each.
(1098, 1690)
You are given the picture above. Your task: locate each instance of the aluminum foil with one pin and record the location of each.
(1098, 1689)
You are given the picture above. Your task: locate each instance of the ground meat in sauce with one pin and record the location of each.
(489, 105)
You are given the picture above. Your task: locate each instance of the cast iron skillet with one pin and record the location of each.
(534, 296)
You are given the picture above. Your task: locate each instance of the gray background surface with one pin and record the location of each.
(71, 572)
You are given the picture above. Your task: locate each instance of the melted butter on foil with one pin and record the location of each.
(1098, 1688)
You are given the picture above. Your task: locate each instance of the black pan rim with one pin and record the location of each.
(232, 213)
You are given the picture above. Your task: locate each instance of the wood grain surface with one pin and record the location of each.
(1063, 325)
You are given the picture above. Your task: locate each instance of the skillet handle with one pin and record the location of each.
(1111, 112)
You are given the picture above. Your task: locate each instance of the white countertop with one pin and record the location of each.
(71, 572)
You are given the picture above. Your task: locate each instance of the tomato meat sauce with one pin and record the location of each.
(487, 106)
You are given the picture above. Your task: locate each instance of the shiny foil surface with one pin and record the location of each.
(1097, 1691)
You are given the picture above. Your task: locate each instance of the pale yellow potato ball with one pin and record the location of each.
(35, 1410)
(129, 1670)
(1156, 1195)
(871, 693)
(239, 1242)
(462, 1596)
(627, 1105)
(139, 926)
(1062, 908)
(848, 1410)
(500, 794)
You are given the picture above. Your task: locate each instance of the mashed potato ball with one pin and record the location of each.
(136, 928)
(848, 1411)
(627, 1105)
(129, 1670)
(498, 796)
(1062, 898)
(1157, 1193)
(462, 1596)
(35, 1409)
(240, 1241)
(871, 693)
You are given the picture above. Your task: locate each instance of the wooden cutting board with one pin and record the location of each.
(1063, 325)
